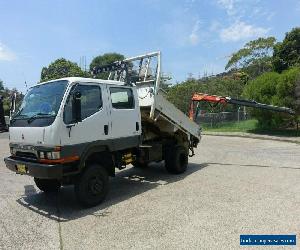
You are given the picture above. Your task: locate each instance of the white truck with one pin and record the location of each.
(78, 130)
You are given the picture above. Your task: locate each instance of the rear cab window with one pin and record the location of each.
(122, 98)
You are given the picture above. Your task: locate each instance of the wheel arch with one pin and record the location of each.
(101, 155)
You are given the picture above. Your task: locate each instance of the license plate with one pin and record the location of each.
(21, 169)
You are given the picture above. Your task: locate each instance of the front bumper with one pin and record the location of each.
(37, 170)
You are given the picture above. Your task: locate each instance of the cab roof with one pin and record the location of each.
(82, 79)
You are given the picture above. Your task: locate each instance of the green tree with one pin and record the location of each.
(1, 85)
(254, 58)
(276, 89)
(6, 93)
(105, 59)
(61, 68)
(287, 53)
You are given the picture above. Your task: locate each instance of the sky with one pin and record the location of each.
(194, 36)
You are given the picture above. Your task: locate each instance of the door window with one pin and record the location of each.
(91, 102)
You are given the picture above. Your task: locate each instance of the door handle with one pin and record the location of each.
(137, 126)
(106, 129)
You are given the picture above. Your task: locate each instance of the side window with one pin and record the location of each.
(122, 98)
(91, 102)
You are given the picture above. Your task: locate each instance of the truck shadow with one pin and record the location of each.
(125, 185)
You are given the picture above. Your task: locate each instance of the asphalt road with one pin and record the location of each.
(233, 186)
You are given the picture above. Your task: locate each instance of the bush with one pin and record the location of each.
(275, 89)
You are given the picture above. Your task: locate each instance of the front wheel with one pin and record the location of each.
(91, 186)
(48, 185)
(176, 159)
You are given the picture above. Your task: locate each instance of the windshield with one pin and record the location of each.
(42, 100)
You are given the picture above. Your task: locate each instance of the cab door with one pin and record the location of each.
(125, 113)
(94, 114)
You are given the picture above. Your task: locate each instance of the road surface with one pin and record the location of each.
(233, 186)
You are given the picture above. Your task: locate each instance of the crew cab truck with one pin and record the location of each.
(78, 130)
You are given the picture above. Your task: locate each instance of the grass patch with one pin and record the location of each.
(249, 126)
(242, 126)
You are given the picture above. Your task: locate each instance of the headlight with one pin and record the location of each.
(55, 155)
(42, 155)
(49, 155)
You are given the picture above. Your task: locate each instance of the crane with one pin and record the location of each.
(215, 101)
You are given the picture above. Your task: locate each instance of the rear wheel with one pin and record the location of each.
(176, 159)
(91, 187)
(48, 185)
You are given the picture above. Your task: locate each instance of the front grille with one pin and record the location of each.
(26, 155)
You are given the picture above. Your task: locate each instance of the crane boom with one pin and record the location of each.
(223, 100)
(254, 104)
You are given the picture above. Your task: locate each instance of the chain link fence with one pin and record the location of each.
(211, 119)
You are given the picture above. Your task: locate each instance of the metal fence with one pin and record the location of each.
(217, 119)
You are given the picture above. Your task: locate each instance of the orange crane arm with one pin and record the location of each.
(198, 97)
(208, 98)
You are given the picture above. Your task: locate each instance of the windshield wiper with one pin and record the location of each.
(18, 117)
(38, 115)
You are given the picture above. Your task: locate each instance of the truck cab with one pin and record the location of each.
(63, 121)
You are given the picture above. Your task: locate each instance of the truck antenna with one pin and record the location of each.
(26, 86)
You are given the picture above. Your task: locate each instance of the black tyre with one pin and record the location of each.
(176, 159)
(48, 185)
(91, 186)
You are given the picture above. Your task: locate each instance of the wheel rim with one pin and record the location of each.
(95, 186)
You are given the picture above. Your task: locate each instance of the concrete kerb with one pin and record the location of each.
(254, 136)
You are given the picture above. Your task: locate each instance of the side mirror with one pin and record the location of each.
(76, 107)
